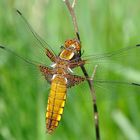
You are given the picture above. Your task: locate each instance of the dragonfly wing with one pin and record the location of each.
(73, 80)
(47, 72)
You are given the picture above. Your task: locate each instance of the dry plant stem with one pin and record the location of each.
(90, 81)
(74, 3)
(95, 109)
(94, 72)
(71, 10)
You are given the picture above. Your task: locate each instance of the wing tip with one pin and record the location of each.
(136, 84)
(2, 47)
(138, 45)
(18, 12)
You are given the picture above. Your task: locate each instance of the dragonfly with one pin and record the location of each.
(60, 74)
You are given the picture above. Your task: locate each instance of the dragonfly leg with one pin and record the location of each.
(50, 55)
(75, 63)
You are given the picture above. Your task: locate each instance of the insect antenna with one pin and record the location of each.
(38, 38)
(21, 57)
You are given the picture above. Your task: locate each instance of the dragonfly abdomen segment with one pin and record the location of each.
(56, 102)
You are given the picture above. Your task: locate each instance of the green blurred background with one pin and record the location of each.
(104, 26)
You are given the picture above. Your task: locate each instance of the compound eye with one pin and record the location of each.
(68, 43)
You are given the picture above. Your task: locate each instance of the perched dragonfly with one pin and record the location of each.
(60, 75)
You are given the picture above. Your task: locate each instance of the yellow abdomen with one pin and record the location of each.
(56, 102)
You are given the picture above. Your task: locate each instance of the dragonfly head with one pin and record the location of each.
(71, 49)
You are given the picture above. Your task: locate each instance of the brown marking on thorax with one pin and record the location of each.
(61, 66)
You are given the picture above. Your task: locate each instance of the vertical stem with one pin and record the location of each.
(95, 109)
(72, 13)
(90, 82)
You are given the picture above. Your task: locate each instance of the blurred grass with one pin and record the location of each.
(104, 26)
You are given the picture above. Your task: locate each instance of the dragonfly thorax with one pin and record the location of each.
(61, 66)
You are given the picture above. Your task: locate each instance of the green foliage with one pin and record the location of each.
(104, 26)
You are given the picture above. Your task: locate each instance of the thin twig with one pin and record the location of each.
(93, 91)
(72, 13)
(74, 3)
(94, 71)
(95, 109)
